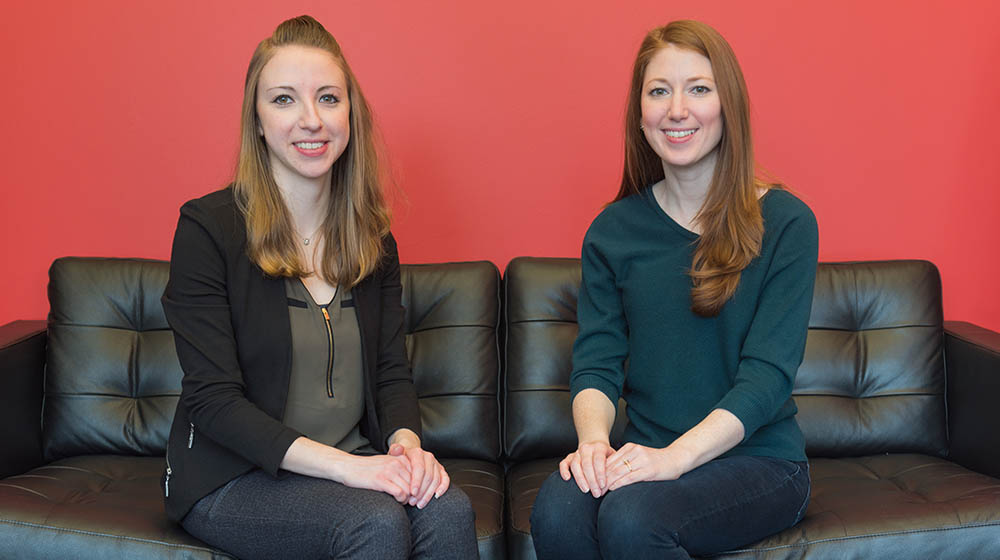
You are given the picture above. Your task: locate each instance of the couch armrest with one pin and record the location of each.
(22, 367)
(972, 362)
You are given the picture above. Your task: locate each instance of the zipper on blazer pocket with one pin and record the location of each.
(329, 353)
(166, 481)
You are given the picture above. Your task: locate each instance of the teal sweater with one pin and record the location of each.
(635, 307)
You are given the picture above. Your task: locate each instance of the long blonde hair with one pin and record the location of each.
(730, 219)
(357, 216)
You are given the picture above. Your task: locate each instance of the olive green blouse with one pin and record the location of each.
(326, 392)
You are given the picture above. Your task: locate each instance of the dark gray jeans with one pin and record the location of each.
(301, 517)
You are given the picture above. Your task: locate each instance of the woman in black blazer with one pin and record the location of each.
(297, 433)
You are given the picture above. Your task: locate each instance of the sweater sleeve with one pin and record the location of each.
(196, 305)
(601, 345)
(775, 343)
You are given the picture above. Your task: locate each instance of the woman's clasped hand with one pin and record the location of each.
(427, 478)
(410, 475)
(598, 468)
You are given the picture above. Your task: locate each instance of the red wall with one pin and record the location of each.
(504, 123)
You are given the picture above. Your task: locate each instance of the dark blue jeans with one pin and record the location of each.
(300, 517)
(721, 505)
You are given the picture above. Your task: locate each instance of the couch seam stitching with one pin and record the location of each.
(105, 535)
(856, 537)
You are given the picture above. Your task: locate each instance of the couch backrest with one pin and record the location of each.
(872, 380)
(452, 317)
(540, 316)
(113, 379)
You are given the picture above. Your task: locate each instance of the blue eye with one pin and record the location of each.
(658, 91)
(282, 99)
(700, 90)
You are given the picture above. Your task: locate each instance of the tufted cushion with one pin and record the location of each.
(541, 326)
(872, 380)
(452, 316)
(890, 506)
(92, 507)
(483, 483)
(112, 377)
(523, 482)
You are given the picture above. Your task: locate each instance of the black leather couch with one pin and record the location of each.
(86, 479)
(899, 410)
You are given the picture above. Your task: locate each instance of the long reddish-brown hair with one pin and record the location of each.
(357, 217)
(730, 219)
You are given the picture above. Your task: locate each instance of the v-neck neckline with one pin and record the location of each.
(336, 292)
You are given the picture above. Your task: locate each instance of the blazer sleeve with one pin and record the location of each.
(395, 395)
(197, 307)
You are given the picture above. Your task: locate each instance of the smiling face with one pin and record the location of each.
(681, 110)
(304, 111)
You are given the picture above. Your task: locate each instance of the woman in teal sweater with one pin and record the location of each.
(695, 300)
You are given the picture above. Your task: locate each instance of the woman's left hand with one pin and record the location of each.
(428, 479)
(638, 463)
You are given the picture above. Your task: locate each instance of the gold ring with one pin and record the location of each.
(628, 465)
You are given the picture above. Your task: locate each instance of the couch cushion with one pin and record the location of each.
(524, 480)
(885, 506)
(540, 305)
(891, 506)
(872, 380)
(482, 481)
(92, 507)
(452, 317)
(112, 507)
(112, 376)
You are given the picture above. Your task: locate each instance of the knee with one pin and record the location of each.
(383, 531)
(386, 521)
(562, 514)
(555, 500)
(617, 531)
(625, 525)
(453, 508)
(445, 528)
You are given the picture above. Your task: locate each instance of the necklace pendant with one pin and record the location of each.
(305, 241)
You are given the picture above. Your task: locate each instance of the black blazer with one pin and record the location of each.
(233, 339)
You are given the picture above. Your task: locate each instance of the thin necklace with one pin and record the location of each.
(308, 240)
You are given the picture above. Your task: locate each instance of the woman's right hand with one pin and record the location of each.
(384, 473)
(586, 466)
